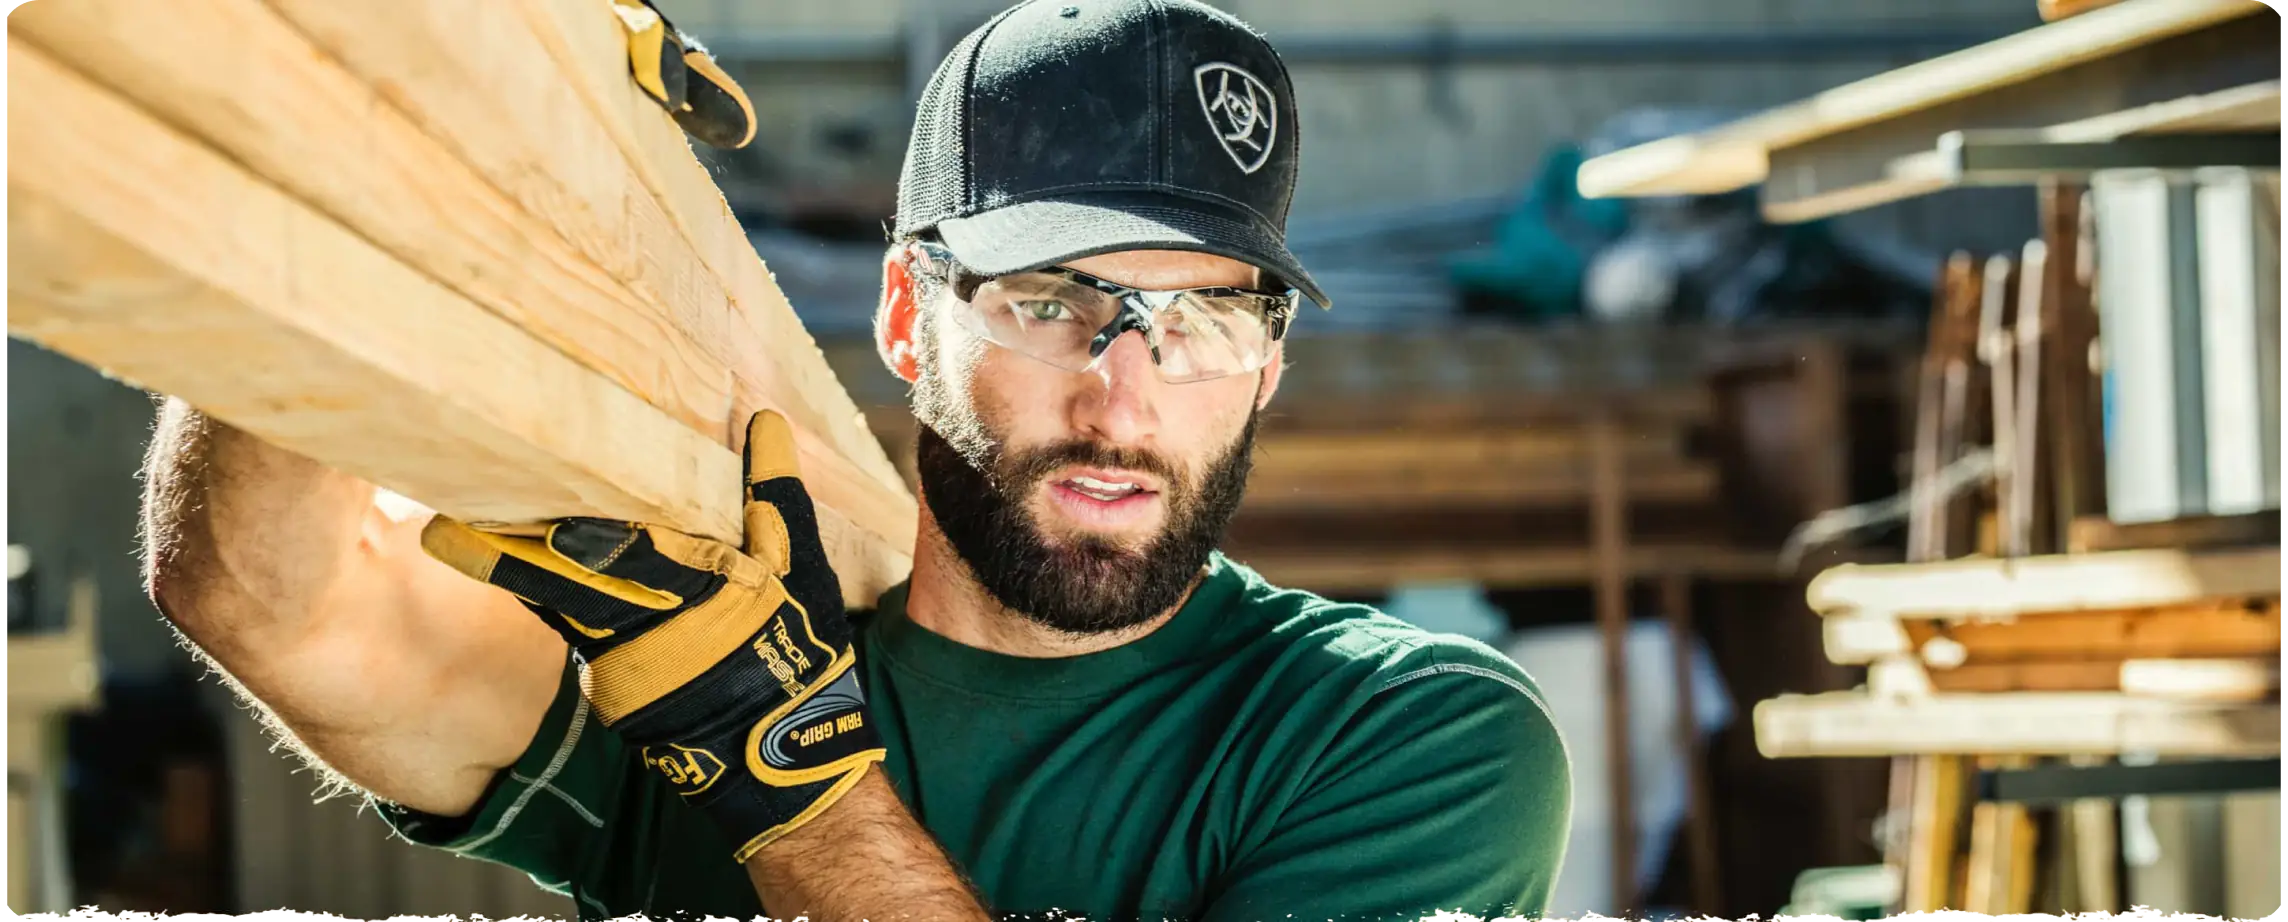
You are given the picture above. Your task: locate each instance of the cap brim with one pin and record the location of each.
(1035, 234)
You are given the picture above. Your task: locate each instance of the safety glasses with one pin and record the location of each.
(1069, 319)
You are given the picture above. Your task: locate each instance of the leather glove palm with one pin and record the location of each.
(730, 668)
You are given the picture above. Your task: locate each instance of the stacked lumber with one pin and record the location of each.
(447, 247)
(2028, 631)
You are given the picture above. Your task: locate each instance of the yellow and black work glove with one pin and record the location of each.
(731, 669)
(681, 76)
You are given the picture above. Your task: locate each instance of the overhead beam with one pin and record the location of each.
(492, 309)
(1325, 571)
(2096, 62)
(2203, 81)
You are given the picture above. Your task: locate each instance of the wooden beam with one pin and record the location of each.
(2031, 723)
(2129, 111)
(1326, 571)
(2054, 583)
(1277, 487)
(136, 249)
(2243, 679)
(1609, 587)
(1738, 155)
(2249, 679)
(1934, 825)
(2205, 630)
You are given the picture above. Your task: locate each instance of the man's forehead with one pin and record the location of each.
(1167, 269)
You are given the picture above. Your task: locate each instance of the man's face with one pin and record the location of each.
(1086, 501)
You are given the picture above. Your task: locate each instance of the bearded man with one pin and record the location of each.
(1075, 706)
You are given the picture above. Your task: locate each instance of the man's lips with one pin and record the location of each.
(1103, 485)
(1106, 499)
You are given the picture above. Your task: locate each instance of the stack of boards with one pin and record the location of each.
(445, 246)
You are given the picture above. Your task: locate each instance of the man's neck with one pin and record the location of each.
(947, 601)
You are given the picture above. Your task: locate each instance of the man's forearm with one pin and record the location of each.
(863, 858)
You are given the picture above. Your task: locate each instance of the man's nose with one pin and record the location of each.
(1119, 407)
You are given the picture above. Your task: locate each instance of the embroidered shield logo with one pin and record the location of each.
(1241, 111)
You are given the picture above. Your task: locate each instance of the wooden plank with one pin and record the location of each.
(1700, 806)
(2246, 679)
(2074, 424)
(2140, 92)
(1735, 156)
(2029, 512)
(2093, 841)
(1442, 453)
(1964, 423)
(2039, 675)
(1933, 827)
(2193, 631)
(2109, 581)
(2000, 878)
(2032, 723)
(1276, 487)
(140, 251)
(1997, 316)
(1329, 571)
(2097, 533)
(2249, 107)
(1609, 583)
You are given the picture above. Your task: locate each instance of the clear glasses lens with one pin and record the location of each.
(1055, 319)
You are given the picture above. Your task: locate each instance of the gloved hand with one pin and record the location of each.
(731, 669)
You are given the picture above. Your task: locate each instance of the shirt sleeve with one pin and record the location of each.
(545, 812)
(1449, 789)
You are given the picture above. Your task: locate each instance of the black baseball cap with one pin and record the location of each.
(1062, 129)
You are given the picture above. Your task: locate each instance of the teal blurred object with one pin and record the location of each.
(1860, 892)
(1541, 250)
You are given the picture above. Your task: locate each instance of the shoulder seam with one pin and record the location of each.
(556, 764)
(1465, 668)
(1483, 672)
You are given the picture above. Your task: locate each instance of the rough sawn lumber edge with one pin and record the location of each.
(147, 255)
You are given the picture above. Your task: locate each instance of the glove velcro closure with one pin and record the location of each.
(763, 778)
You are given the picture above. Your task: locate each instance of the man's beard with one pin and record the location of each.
(1079, 585)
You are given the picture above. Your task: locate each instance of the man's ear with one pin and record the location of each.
(894, 319)
(1271, 372)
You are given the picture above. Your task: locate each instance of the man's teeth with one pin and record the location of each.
(1102, 489)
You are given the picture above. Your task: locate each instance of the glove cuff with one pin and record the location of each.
(762, 779)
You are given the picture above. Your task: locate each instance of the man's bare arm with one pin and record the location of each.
(399, 674)
(863, 858)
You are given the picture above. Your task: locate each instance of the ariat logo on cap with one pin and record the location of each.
(689, 770)
(1241, 111)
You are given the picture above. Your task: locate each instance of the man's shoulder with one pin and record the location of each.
(1364, 651)
(1353, 686)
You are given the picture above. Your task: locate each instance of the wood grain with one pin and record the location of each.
(618, 181)
(137, 250)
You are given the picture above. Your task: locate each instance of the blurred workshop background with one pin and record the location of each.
(1588, 431)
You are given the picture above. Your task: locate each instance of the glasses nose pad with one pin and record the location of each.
(1129, 318)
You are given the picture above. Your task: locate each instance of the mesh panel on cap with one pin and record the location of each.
(934, 183)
